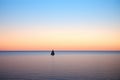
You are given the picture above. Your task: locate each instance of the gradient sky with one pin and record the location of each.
(60, 24)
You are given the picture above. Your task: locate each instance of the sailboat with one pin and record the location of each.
(52, 53)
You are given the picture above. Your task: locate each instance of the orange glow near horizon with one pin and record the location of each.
(60, 40)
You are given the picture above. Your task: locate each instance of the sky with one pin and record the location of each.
(60, 24)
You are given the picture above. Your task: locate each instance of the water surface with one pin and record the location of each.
(65, 65)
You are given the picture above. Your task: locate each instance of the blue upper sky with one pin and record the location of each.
(59, 11)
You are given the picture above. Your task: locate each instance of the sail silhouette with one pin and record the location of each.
(52, 53)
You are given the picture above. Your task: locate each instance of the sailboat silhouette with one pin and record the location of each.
(52, 53)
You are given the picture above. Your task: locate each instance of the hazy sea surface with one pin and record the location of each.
(65, 65)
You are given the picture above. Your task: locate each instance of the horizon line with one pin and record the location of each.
(50, 50)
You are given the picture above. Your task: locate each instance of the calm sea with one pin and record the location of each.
(65, 65)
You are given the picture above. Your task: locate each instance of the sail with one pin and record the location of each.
(52, 53)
